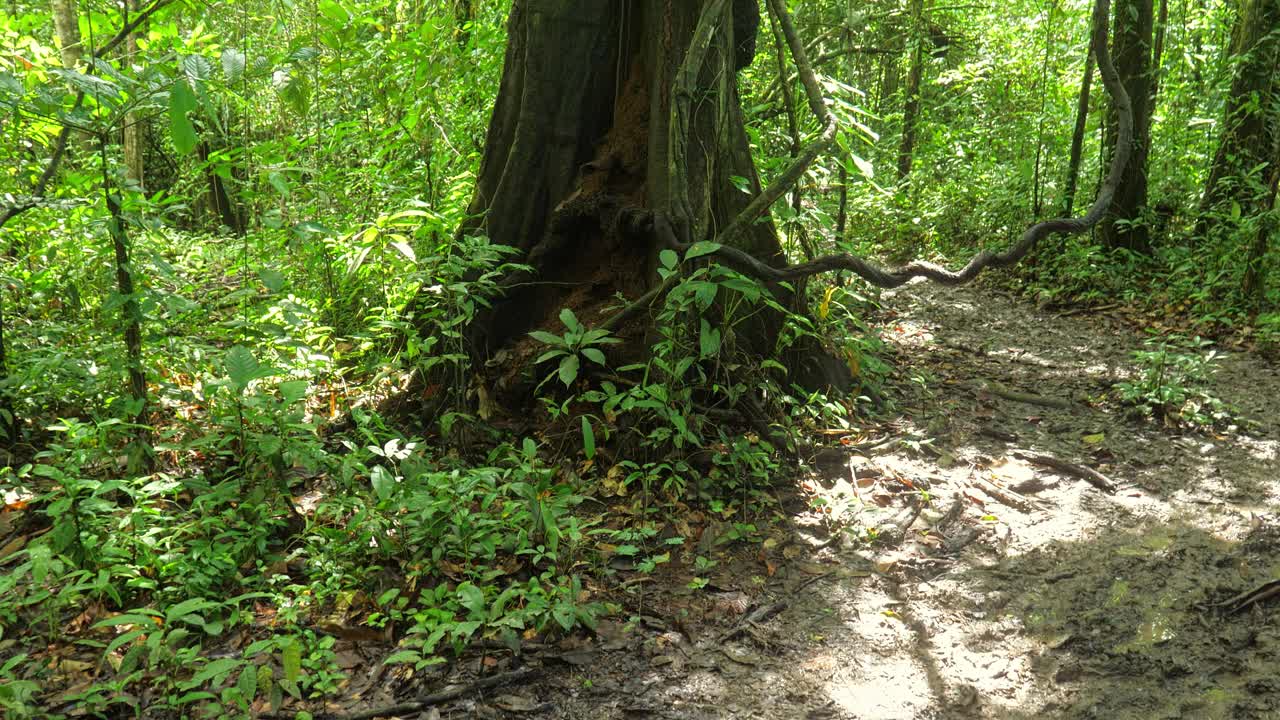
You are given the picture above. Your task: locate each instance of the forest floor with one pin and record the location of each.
(1016, 591)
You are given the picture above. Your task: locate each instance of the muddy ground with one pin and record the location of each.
(998, 587)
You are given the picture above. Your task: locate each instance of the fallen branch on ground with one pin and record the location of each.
(1029, 398)
(421, 704)
(1088, 474)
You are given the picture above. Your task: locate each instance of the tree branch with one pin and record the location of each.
(789, 177)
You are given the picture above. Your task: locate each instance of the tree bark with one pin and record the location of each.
(1249, 128)
(911, 103)
(131, 312)
(1124, 226)
(66, 22)
(617, 134)
(1254, 287)
(1037, 199)
(1077, 138)
(580, 130)
(134, 127)
(8, 418)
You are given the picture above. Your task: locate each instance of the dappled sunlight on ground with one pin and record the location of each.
(934, 571)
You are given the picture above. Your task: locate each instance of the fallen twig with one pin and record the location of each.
(1083, 310)
(1262, 593)
(1088, 474)
(760, 614)
(1029, 398)
(423, 703)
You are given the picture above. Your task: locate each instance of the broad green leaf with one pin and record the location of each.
(472, 598)
(124, 639)
(593, 355)
(294, 89)
(304, 54)
(10, 86)
(700, 248)
(186, 607)
(248, 683)
(548, 355)
(405, 250)
(181, 102)
(291, 662)
(569, 319)
(291, 391)
(569, 369)
(563, 614)
(865, 167)
(599, 337)
(197, 70)
(242, 367)
(404, 656)
(335, 12)
(278, 181)
(668, 258)
(272, 279)
(709, 340)
(384, 483)
(311, 227)
(588, 439)
(215, 670)
(705, 292)
(233, 62)
(545, 337)
(100, 89)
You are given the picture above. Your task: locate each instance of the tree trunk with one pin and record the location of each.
(1254, 287)
(1249, 128)
(581, 135)
(911, 104)
(1077, 138)
(66, 22)
(8, 418)
(134, 127)
(617, 136)
(1037, 198)
(1124, 227)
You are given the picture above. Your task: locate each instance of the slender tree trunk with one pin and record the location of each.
(66, 22)
(911, 105)
(134, 129)
(1249, 127)
(1157, 55)
(1124, 227)
(8, 418)
(1077, 139)
(131, 313)
(1036, 197)
(793, 127)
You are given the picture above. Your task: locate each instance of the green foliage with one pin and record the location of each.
(576, 344)
(1171, 381)
(294, 246)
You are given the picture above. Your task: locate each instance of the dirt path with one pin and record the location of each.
(1016, 591)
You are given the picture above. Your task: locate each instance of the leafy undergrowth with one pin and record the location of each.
(253, 551)
(1187, 291)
